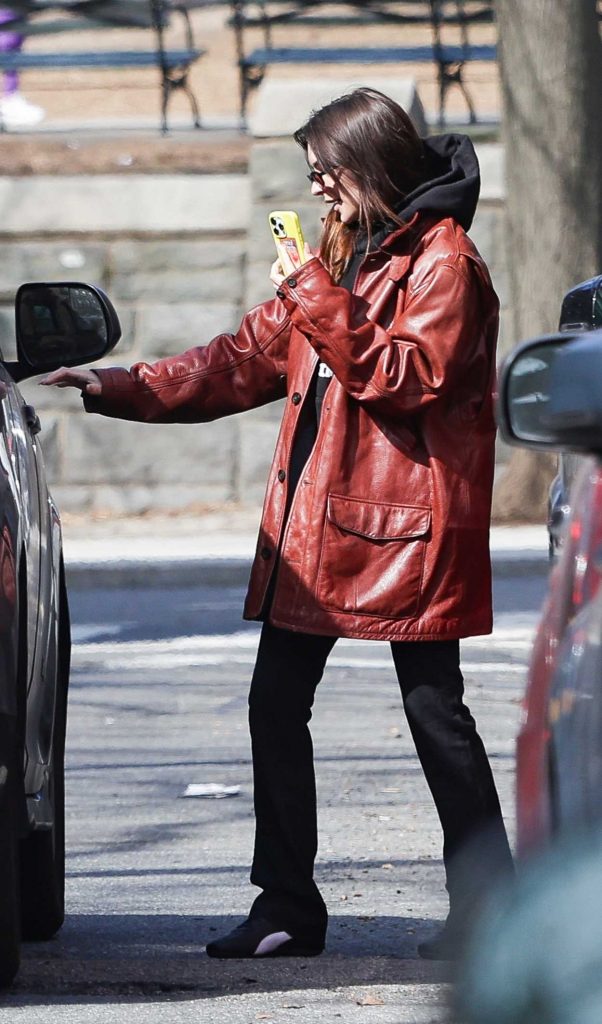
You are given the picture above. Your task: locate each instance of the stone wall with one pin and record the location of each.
(169, 250)
(182, 257)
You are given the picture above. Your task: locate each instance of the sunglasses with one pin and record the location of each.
(316, 177)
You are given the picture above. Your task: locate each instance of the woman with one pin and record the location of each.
(376, 518)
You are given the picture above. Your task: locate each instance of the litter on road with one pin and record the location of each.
(210, 790)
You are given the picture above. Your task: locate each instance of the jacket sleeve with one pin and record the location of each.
(424, 354)
(232, 373)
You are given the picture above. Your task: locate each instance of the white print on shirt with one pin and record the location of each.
(324, 370)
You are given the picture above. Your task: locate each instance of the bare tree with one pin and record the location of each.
(551, 74)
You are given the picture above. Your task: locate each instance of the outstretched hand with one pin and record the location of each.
(87, 381)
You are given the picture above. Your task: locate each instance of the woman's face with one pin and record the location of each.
(341, 195)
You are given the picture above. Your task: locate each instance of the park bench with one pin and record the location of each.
(173, 63)
(437, 15)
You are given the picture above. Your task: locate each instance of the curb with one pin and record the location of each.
(506, 564)
(209, 572)
(234, 572)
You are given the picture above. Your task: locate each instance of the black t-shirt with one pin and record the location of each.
(307, 430)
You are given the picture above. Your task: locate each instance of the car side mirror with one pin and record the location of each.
(62, 324)
(582, 307)
(550, 395)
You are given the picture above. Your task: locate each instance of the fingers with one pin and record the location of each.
(85, 380)
(58, 378)
(276, 274)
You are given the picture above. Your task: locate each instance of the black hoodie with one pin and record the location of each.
(452, 185)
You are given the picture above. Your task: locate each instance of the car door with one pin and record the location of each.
(22, 428)
(9, 540)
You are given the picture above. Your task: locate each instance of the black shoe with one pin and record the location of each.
(446, 945)
(257, 937)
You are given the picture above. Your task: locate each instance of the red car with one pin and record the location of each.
(550, 398)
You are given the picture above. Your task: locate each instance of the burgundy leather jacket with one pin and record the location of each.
(387, 536)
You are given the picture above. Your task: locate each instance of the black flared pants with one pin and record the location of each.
(288, 669)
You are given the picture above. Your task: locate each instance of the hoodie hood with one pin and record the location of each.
(452, 181)
(450, 189)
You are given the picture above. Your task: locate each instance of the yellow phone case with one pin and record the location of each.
(288, 236)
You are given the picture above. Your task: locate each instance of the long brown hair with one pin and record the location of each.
(371, 137)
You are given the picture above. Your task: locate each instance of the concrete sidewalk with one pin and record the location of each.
(216, 548)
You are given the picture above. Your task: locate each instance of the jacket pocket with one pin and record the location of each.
(373, 556)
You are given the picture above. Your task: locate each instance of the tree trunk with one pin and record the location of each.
(551, 75)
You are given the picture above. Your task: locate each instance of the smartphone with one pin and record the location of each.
(288, 236)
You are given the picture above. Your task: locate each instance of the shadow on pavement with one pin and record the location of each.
(98, 957)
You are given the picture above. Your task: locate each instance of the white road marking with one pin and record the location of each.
(247, 639)
(239, 649)
(82, 634)
(148, 660)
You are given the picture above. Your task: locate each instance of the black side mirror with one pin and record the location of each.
(582, 307)
(62, 324)
(550, 395)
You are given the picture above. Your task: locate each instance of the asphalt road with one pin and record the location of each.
(158, 702)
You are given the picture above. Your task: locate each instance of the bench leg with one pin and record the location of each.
(451, 74)
(244, 92)
(171, 81)
(466, 95)
(250, 77)
(443, 83)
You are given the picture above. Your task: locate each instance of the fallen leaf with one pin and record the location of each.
(370, 1001)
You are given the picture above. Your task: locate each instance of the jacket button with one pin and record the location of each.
(296, 398)
(281, 475)
(281, 293)
(292, 282)
(282, 378)
(266, 554)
